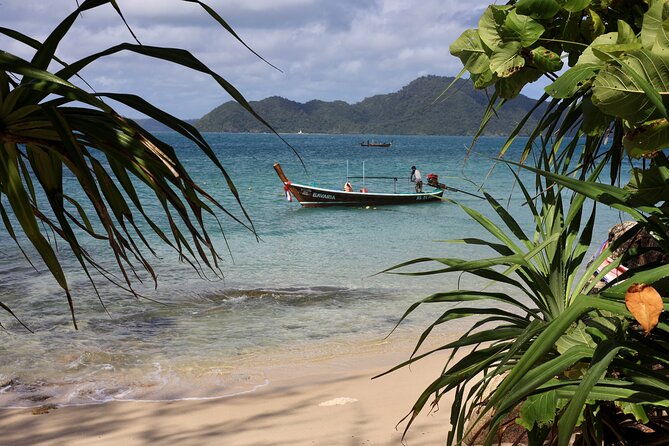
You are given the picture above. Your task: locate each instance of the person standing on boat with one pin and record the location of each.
(416, 178)
(348, 187)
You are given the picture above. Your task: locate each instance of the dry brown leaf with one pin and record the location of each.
(645, 304)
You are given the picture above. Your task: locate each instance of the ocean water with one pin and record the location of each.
(308, 288)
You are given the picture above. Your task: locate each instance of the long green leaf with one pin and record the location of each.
(604, 354)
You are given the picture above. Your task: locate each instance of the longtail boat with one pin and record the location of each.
(311, 196)
(376, 144)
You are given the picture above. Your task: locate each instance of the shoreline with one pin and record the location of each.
(328, 401)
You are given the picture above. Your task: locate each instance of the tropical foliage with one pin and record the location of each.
(553, 355)
(53, 126)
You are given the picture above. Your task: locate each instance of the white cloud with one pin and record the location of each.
(349, 49)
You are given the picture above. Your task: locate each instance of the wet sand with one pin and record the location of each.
(326, 402)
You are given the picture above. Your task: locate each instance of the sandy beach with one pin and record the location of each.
(326, 402)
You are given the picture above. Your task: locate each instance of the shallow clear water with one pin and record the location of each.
(308, 288)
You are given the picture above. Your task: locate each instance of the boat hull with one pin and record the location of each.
(309, 196)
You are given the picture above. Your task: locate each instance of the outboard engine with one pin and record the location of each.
(433, 180)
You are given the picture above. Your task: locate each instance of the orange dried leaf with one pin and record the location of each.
(645, 304)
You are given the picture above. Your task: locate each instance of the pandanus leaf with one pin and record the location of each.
(48, 134)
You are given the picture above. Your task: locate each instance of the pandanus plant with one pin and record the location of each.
(53, 125)
(549, 353)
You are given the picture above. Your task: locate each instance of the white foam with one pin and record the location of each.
(338, 401)
(122, 397)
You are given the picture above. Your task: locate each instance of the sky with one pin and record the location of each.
(326, 49)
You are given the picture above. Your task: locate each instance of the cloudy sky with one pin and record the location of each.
(326, 49)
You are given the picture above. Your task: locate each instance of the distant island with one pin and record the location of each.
(410, 111)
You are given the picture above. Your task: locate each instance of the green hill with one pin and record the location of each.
(410, 111)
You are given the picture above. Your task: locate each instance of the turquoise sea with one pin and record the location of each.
(308, 287)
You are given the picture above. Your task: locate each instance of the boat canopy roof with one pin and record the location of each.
(377, 178)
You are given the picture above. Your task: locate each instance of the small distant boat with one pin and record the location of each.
(376, 144)
(310, 196)
(300, 132)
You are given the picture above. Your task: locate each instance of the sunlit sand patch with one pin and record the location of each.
(338, 401)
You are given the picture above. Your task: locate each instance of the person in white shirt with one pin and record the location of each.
(416, 178)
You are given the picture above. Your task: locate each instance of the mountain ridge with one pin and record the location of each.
(415, 109)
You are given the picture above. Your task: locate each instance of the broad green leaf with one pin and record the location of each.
(576, 5)
(506, 59)
(470, 51)
(490, 24)
(635, 89)
(594, 121)
(48, 82)
(546, 60)
(588, 56)
(608, 52)
(592, 26)
(647, 138)
(575, 335)
(661, 45)
(572, 80)
(637, 410)
(540, 409)
(538, 9)
(625, 33)
(652, 22)
(510, 87)
(650, 185)
(521, 28)
(484, 80)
